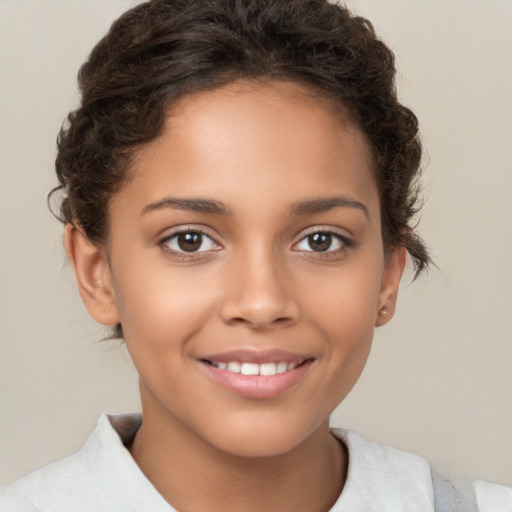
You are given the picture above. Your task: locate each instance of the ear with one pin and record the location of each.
(393, 269)
(93, 275)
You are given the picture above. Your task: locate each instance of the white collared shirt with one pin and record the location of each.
(103, 477)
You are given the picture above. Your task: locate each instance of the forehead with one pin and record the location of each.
(287, 112)
(274, 140)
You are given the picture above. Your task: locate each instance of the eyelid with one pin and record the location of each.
(347, 241)
(163, 240)
(331, 230)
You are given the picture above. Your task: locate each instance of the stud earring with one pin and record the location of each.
(383, 312)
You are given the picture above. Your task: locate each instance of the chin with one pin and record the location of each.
(262, 437)
(257, 447)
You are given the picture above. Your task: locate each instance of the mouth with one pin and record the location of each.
(247, 368)
(260, 375)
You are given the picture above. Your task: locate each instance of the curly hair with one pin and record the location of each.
(161, 50)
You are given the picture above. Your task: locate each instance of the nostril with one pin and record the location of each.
(260, 324)
(259, 308)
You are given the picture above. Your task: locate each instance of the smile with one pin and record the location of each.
(257, 374)
(266, 369)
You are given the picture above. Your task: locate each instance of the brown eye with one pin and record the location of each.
(324, 242)
(320, 242)
(190, 242)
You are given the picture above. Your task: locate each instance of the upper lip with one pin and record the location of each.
(257, 356)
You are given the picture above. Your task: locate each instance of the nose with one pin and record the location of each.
(259, 293)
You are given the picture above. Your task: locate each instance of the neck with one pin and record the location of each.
(193, 475)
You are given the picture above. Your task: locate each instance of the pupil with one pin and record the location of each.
(320, 242)
(190, 242)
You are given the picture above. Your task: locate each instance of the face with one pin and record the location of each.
(246, 265)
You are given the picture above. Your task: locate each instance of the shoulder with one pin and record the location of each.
(46, 488)
(493, 497)
(404, 481)
(381, 478)
(75, 482)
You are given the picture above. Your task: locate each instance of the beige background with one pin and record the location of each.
(439, 381)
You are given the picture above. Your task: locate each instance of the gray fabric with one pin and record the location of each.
(447, 498)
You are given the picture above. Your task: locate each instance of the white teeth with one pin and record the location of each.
(234, 367)
(281, 367)
(267, 369)
(250, 369)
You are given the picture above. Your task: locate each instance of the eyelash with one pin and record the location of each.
(165, 242)
(346, 243)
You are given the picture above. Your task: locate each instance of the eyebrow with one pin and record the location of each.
(199, 205)
(323, 204)
(202, 205)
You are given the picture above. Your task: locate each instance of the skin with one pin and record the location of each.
(256, 283)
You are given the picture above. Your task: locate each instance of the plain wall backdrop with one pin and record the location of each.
(439, 380)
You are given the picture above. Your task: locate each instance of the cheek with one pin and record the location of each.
(346, 298)
(161, 309)
(344, 309)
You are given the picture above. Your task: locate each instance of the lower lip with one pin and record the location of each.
(257, 386)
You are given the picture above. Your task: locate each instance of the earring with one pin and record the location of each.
(383, 312)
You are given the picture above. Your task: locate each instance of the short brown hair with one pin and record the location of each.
(163, 49)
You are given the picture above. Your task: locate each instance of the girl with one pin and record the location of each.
(239, 184)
